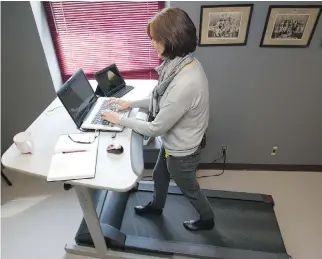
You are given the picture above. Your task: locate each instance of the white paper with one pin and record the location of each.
(77, 165)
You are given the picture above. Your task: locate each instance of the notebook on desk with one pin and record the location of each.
(74, 157)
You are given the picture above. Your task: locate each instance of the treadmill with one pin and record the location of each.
(246, 225)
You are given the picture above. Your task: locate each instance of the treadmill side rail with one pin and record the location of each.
(91, 252)
(216, 194)
(196, 250)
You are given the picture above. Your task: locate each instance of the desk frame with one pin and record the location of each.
(91, 218)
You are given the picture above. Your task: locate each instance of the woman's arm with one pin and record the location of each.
(142, 103)
(168, 116)
(176, 105)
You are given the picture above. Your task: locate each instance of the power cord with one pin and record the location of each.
(53, 109)
(224, 156)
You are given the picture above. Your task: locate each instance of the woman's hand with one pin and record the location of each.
(122, 104)
(110, 116)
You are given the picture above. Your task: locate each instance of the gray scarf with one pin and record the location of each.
(167, 71)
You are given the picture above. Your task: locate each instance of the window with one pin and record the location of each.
(93, 35)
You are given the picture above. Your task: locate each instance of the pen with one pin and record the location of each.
(74, 151)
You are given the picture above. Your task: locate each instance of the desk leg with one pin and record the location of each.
(91, 218)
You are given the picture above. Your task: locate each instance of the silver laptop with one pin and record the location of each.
(84, 107)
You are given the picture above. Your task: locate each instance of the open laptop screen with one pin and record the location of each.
(109, 80)
(76, 94)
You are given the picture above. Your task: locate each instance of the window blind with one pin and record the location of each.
(93, 35)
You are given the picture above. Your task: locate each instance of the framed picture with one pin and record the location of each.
(290, 26)
(224, 25)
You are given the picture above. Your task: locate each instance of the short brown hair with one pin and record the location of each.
(175, 30)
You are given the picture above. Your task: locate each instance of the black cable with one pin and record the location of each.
(59, 106)
(218, 159)
(223, 169)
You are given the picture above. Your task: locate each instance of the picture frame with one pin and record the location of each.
(290, 26)
(224, 25)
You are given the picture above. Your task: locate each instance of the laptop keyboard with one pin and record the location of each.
(98, 119)
(112, 107)
(123, 91)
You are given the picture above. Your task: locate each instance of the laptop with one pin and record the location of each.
(111, 83)
(84, 106)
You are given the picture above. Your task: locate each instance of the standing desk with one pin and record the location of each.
(113, 172)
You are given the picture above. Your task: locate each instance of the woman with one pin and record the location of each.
(179, 107)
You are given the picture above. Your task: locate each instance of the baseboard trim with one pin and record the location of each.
(254, 167)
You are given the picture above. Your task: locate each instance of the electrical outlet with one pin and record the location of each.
(223, 148)
(274, 151)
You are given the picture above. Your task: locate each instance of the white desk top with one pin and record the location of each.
(113, 172)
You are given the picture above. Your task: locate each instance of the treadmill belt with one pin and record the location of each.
(248, 225)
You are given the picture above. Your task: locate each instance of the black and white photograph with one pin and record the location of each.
(290, 26)
(226, 25)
